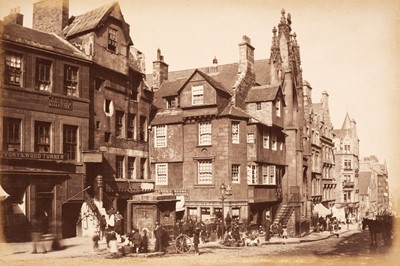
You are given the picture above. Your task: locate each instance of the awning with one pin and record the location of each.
(339, 213)
(180, 204)
(322, 210)
(3, 194)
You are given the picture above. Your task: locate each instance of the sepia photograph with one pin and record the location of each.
(199, 132)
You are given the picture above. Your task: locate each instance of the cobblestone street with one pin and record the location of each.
(351, 247)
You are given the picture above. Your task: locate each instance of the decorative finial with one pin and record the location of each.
(274, 30)
(289, 19)
(294, 35)
(283, 12)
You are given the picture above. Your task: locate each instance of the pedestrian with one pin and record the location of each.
(196, 240)
(267, 228)
(228, 222)
(113, 246)
(111, 221)
(159, 232)
(103, 225)
(118, 223)
(95, 240)
(284, 232)
(37, 234)
(144, 243)
(136, 239)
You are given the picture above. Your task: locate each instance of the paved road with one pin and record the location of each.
(351, 248)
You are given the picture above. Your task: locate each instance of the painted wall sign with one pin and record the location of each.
(60, 103)
(32, 155)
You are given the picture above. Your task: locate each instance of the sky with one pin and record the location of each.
(349, 48)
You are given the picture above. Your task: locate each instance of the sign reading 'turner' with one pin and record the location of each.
(32, 155)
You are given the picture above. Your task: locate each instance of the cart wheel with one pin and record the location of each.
(183, 244)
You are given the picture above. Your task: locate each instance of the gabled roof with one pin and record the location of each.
(41, 40)
(90, 20)
(217, 85)
(226, 74)
(233, 111)
(265, 93)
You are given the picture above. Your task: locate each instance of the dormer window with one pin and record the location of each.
(112, 40)
(171, 102)
(197, 95)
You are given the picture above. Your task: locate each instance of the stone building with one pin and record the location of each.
(368, 193)
(372, 164)
(240, 125)
(117, 156)
(320, 132)
(347, 167)
(86, 73)
(44, 92)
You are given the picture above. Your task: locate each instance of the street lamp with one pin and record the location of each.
(225, 191)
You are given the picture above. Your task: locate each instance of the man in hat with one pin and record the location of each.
(159, 232)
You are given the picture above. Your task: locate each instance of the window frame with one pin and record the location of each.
(72, 143)
(119, 167)
(42, 128)
(119, 124)
(131, 168)
(235, 173)
(235, 136)
(278, 107)
(130, 129)
(160, 136)
(258, 106)
(171, 102)
(251, 139)
(13, 68)
(205, 172)
(197, 97)
(43, 81)
(161, 178)
(71, 80)
(112, 39)
(252, 179)
(269, 174)
(12, 127)
(274, 142)
(266, 140)
(205, 133)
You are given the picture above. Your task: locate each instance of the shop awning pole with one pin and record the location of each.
(74, 196)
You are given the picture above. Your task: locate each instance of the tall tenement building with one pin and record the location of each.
(75, 111)
(347, 167)
(238, 126)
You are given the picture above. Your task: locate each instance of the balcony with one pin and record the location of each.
(261, 193)
(348, 184)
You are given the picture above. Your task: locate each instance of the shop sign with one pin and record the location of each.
(60, 103)
(32, 155)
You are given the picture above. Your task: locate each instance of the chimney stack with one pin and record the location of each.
(50, 16)
(214, 68)
(246, 54)
(325, 99)
(15, 17)
(160, 70)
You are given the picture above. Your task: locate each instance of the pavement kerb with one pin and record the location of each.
(304, 240)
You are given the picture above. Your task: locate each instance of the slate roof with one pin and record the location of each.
(263, 93)
(167, 119)
(41, 40)
(233, 111)
(89, 20)
(226, 76)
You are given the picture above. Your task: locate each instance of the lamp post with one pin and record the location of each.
(225, 191)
